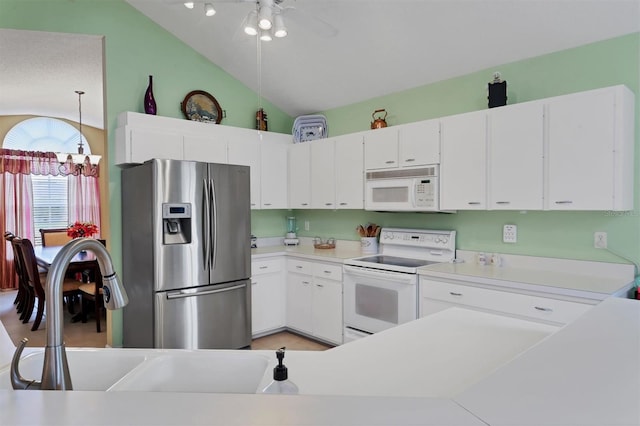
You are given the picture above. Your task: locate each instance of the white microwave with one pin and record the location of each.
(404, 190)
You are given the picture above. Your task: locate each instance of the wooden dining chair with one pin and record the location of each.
(36, 280)
(21, 296)
(54, 237)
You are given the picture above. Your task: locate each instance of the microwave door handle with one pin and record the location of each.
(206, 214)
(414, 188)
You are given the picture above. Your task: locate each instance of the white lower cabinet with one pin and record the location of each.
(268, 295)
(437, 295)
(314, 299)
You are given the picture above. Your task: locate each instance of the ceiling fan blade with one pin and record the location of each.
(309, 21)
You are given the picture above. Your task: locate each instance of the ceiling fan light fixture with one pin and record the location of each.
(189, 4)
(265, 18)
(209, 10)
(265, 35)
(251, 23)
(279, 30)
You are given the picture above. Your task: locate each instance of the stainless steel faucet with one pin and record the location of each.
(55, 371)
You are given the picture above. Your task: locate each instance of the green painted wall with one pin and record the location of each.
(136, 47)
(553, 234)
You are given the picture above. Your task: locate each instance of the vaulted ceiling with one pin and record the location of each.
(339, 52)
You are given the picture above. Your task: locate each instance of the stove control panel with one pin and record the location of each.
(419, 238)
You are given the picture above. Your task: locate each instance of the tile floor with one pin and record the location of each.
(84, 335)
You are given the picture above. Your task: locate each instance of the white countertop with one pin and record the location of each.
(571, 282)
(435, 356)
(344, 250)
(584, 374)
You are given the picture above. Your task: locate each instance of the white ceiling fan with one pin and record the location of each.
(267, 19)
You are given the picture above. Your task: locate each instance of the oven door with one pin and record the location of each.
(375, 300)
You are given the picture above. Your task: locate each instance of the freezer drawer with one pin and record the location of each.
(209, 317)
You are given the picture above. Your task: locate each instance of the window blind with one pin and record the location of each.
(50, 208)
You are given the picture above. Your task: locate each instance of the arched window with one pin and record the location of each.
(50, 203)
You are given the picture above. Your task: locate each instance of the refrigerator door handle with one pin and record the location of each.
(214, 224)
(187, 293)
(206, 213)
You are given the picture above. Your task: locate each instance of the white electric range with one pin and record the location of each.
(381, 290)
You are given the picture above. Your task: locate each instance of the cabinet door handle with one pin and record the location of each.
(267, 204)
(304, 204)
(298, 267)
(409, 160)
(543, 309)
(473, 203)
(319, 285)
(263, 267)
(344, 204)
(453, 293)
(564, 202)
(327, 272)
(389, 162)
(254, 282)
(503, 202)
(328, 204)
(306, 282)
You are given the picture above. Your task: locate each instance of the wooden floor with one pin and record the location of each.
(85, 335)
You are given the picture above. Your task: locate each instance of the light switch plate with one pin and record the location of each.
(510, 234)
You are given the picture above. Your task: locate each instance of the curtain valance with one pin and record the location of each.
(15, 161)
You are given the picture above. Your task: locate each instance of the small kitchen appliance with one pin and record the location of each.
(381, 290)
(291, 238)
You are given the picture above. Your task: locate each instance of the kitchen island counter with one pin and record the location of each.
(566, 378)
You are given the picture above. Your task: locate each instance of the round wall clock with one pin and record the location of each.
(199, 105)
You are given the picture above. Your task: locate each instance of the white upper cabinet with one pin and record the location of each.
(273, 170)
(403, 146)
(139, 144)
(300, 175)
(515, 166)
(463, 168)
(245, 151)
(419, 143)
(590, 150)
(323, 179)
(211, 149)
(349, 171)
(381, 148)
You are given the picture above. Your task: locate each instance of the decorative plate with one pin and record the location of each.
(199, 105)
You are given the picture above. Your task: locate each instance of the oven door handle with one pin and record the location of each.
(378, 274)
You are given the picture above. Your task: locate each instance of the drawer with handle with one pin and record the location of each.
(259, 267)
(522, 305)
(300, 266)
(330, 272)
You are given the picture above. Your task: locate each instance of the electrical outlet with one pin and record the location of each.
(495, 260)
(510, 234)
(481, 259)
(600, 240)
(307, 225)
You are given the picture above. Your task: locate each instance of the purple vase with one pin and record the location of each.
(149, 101)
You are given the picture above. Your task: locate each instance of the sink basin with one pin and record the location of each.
(213, 372)
(91, 369)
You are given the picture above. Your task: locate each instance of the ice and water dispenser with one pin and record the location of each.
(176, 223)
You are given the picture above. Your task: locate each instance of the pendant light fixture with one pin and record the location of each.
(78, 159)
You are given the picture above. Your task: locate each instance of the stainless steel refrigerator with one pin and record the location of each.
(186, 255)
